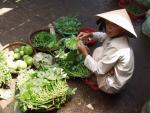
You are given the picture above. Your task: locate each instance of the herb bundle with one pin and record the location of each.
(68, 24)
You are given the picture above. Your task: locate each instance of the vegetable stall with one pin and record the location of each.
(43, 66)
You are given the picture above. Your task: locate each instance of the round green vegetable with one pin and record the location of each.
(22, 48)
(21, 53)
(21, 64)
(25, 56)
(17, 50)
(12, 66)
(28, 50)
(28, 60)
(17, 56)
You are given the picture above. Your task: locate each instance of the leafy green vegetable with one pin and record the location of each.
(5, 75)
(41, 93)
(68, 24)
(2, 58)
(71, 43)
(41, 59)
(132, 8)
(73, 64)
(24, 76)
(51, 73)
(45, 40)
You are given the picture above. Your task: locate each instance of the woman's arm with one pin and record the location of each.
(104, 65)
(100, 36)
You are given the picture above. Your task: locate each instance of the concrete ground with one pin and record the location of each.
(28, 16)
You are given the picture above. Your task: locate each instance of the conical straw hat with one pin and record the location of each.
(120, 18)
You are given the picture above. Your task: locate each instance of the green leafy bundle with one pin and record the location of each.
(71, 43)
(132, 8)
(5, 74)
(2, 58)
(43, 94)
(51, 73)
(73, 64)
(45, 40)
(68, 24)
(42, 59)
(42, 89)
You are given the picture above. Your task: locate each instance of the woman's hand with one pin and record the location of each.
(83, 35)
(82, 48)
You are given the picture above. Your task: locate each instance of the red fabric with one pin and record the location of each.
(91, 84)
(123, 3)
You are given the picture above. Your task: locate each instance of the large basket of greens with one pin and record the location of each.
(71, 60)
(68, 25)
(44, 88)
(44, 41)
(18, 56)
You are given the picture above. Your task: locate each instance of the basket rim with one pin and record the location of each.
(13, 43)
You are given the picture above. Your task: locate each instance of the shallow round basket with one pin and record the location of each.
(32, 36)
(49, 110)
(10, 47)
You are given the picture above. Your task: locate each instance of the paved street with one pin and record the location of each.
(28, 16)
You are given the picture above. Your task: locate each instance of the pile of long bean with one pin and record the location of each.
(38, 92)
(43, 94)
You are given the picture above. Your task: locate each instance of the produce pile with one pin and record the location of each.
(72, 61)
(42, 89)
(5, 74)
(71, 43)
(20, 58)
(68, 24)
(41, 80)
(45, 40)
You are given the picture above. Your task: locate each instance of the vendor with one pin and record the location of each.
(113, 62)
